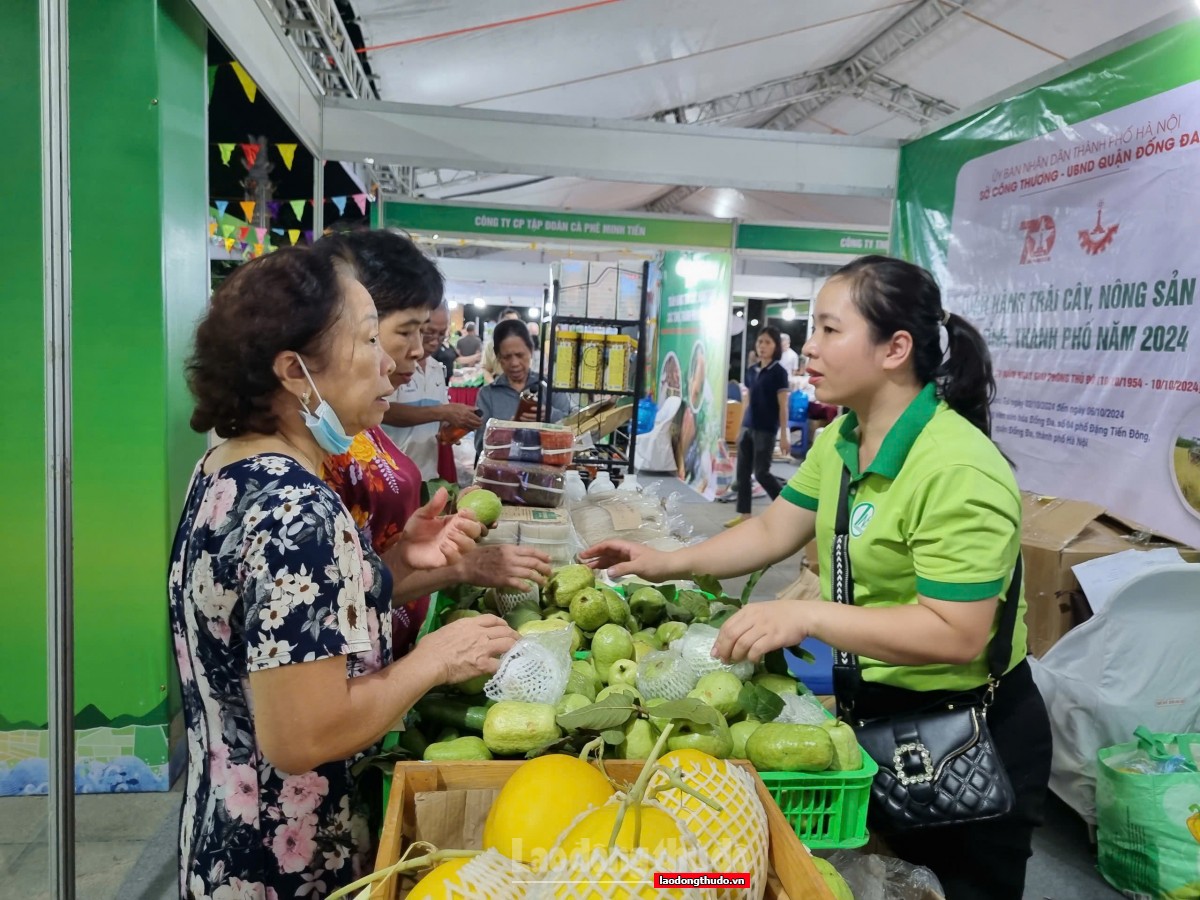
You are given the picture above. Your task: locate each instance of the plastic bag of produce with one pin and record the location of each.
(802, 710)
(535, 670)
(696, 647)
(663, 673)
(872, 877)
(1148, 815)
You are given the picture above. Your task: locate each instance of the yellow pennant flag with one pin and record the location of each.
(212, 228)
(248, 84)
(248, 209)
(226, 152)
(288, 152)
(258, 249)
(229, 242)
(294, 235)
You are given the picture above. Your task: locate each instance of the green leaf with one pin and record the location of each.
(751, 582)
(719, 613)
(614, 711)
(695, 711)
(708, 584)
(613, 736)
(385, 761)
(760, 703)
(677, 613)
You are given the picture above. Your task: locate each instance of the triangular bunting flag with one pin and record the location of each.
(297, 207)
(294, 235)
(229, 242)
(248, 84)
(308, 236)
(340, 203)
(273, 207)
(277, 231)
(258, 250)
(227, 230)
(361, 200)
(248, 209)
(212, 80)
(250, 151)
(222, 205)
(226, 152)
(261, 233)
(212, 228)
(288, 152)
(243, 232)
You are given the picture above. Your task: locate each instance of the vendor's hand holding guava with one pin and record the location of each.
(629, 558)
(505, 566)
(466, 648)
(433, 541)
(758, 628)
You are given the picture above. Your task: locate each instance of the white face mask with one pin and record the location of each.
(324, 424)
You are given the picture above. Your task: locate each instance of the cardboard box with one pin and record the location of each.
(1057, 534)
(629, 291)
(572, 277)
(602, 290)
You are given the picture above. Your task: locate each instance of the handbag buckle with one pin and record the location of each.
(902, 775)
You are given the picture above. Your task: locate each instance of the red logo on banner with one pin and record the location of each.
(1097, 240)
(1039, 239)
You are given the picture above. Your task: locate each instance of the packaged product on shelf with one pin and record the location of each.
(572, 299)
(530, 442)
(616, 366)
(602, 290)
(623, 515)
(566, 354)
(629, 292)
(591, 361)
(524, 484)
(548, 530)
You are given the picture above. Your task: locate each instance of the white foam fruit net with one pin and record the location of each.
(507, 602)
(489, 876)
(736, 838)
(598, 873)
(535, 670)
(801, 710)
(663, 673)
(696, 646)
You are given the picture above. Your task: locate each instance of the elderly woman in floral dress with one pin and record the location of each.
(276, 604)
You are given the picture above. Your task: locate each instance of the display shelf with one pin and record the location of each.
(595, 392)
(602, 323)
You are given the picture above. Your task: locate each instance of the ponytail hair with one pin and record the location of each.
(894, 295)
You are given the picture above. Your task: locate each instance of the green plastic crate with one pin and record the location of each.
(827, 810)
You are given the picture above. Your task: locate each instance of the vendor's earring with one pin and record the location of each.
(304, 399)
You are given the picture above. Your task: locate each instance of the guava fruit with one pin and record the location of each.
(484, 504)
(776, 747)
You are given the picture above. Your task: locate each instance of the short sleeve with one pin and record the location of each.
(781, 378)
(804, 487)
(962, 536)
(303, 587)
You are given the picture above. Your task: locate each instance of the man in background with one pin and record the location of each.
(790, 360)
(469, 346)
(420, 407)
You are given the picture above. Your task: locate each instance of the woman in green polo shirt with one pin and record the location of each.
(934, 536)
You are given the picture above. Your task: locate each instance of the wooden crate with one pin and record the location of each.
(793, 875)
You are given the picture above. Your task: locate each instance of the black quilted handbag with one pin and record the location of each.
(938, 765)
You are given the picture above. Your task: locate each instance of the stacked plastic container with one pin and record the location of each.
(523, 463)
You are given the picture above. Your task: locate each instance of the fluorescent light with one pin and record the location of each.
(739, 313)
(534, 312)
(436, 236)
(789, 314)
(481, 303)
(453, 304)
(754, 321)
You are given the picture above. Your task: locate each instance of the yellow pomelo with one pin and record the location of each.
(659, 831)
(436, 884)
(539, 801)
(735, 837)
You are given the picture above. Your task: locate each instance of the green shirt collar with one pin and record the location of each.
(898, 441)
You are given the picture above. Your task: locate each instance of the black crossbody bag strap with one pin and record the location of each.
(847, 674)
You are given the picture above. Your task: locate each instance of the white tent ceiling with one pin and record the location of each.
(640, 59)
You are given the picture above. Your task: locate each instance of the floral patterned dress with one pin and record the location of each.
(382, 488)
(267, 569)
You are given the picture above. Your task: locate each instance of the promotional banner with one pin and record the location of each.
(693, 356)
(1074, 253)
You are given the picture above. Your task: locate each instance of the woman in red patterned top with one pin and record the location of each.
(379, 484)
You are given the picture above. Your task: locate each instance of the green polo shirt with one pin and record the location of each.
(937, 513)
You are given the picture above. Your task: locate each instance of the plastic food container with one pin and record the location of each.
(616, 369)
(591, 361)
(530, 442)
(566, 350)
(523, 484)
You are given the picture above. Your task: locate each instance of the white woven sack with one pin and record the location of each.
(737, 838)
(534, 670)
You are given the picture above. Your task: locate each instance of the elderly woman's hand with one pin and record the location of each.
(509, 566)
(466, 648)
(431, 540)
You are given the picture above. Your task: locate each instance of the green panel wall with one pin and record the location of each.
(140, 280)
(22, 501)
